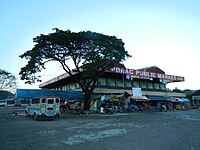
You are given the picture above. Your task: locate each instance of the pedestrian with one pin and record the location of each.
(101, 110)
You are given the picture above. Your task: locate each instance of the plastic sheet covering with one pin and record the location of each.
(30, 93)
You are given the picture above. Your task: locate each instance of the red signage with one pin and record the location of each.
(131, 73)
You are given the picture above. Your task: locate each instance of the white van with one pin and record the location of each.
(3, 102)
(45, 106)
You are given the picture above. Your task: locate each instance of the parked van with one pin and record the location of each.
(3, 102)
(10, 102)
(45, 106)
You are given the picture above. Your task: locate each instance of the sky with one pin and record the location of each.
(165, 33)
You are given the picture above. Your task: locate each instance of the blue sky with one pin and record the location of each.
(165, 33)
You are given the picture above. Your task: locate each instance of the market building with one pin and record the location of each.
(151, 80)
(143, 89)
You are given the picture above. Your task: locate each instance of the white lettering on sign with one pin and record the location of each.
(137, 72)
(145, 74)
(122, 70)
(131, 71)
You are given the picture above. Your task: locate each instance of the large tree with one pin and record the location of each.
(6, 95)
(7, 81)
(92, 54)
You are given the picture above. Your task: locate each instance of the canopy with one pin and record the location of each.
(180, 100)
(112, 97)
(139, 97)
(30, 93)
(157, 98)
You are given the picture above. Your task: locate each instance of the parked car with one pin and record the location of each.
(45, 106)
(3, 102)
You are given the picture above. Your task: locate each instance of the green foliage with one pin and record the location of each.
(188, 92)
(82, 48)
(92, 53)
(7, 81)
(177, 90)
(6, 95)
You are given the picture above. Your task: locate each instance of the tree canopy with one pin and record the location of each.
(92, 53)
(6, 95)
(7, 81)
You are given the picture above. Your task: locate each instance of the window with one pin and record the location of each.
(119, 83)
(64, 87)
(150, 85)
(67, 87)
(77, 86)
(111, 82)
(136, 84)
(162, 86)
(73, 86)
(57, 100)
(128, 83)
(156, 85)
(43, 100)
(35, 101)
(143, 84)
(50, 101)
(102, 81)
(10, 101)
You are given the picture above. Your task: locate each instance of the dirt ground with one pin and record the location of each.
(172, 130)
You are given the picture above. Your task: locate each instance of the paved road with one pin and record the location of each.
(172, 130)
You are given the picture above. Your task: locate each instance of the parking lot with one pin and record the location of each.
(172, 130)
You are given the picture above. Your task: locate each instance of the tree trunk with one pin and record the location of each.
(87, 100)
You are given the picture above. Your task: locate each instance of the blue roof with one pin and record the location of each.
(30, 93)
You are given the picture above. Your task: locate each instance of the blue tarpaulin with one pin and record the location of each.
(30, 93)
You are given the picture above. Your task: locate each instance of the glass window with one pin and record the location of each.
(10, 101)
(57, 100)
(35, 101)
(111, 82)
(67, 87)
(102, 81)
(77, 86)
(150, 85)
(162, 86)
(119, 83)
(143, 84)
(136, 84)
(50, 101)
(156, 85)
(43, 100)
(128, 83)
(73, 86)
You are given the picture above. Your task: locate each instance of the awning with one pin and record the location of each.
(180, 100)
(139, 97)
(65, 94)
(158, 98)
(116, 97)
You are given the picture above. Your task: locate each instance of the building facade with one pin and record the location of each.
(152, 81)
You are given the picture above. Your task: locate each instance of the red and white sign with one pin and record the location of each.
(147, 75)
